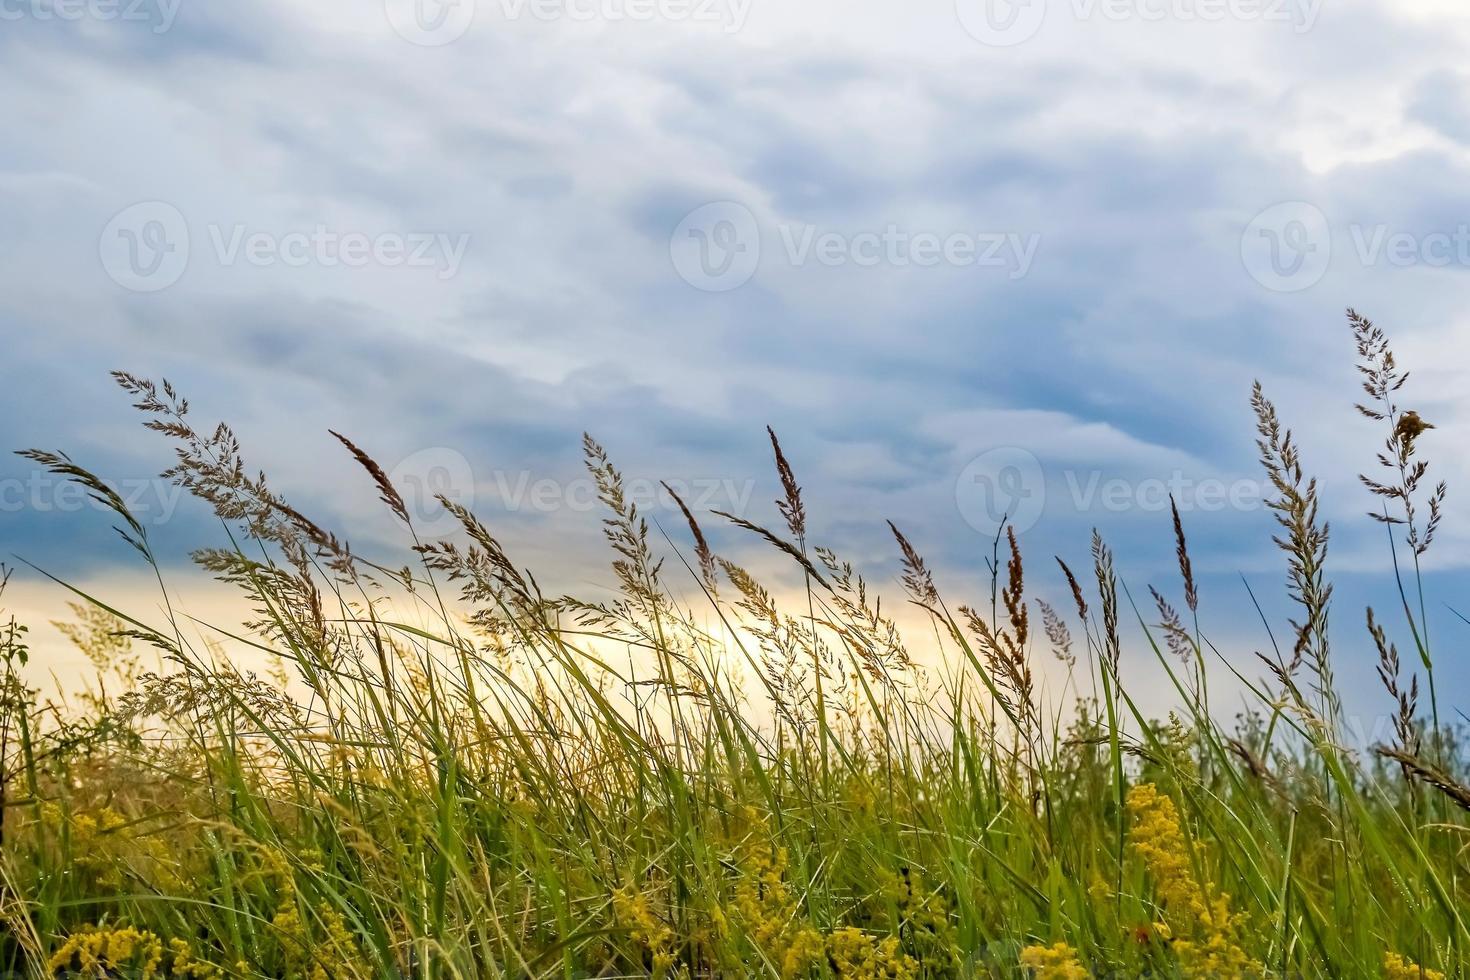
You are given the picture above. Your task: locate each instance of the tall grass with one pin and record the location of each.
(445, 772)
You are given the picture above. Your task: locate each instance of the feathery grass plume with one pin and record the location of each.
(790, 504)
(1407, 700)
(1107, 588)
(489, 573)
(1295, 508)
(1005, 648)
(786, 546)
(1382, 380)
(786, 651)
(872, 637)
(60, 464)
(917, 579)
(707, 565)
(1174, 633)
(1013, 594)
(1007, 665)
(1255, 765)
(637, 570)
(1057, 633)
(211, 467)
(1186, 568)
(1077, 597)
(1431, 775)
(386, 491)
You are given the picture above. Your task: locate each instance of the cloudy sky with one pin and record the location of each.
(967, 258)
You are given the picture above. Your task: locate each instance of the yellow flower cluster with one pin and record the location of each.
(336, 954)
(86, 834)
(1055, 962)
(1396, 967)
(855, 954)
(141, 953)
(923, 915)
(1207, 935)
(763, 923)
(632, 910)
(764, 906)
(765, 909)
(99, 850)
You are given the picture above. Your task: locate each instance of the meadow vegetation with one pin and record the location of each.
(445, 772)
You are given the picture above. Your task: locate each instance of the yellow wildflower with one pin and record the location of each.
(768, 913)
(1207, 935)
(634, 913)
(1055, 962)
(129, 951)
(1396, 967)
(855, 955)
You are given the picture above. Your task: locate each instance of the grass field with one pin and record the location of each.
(772, 790)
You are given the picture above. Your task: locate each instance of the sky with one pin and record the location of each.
(969, 259)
